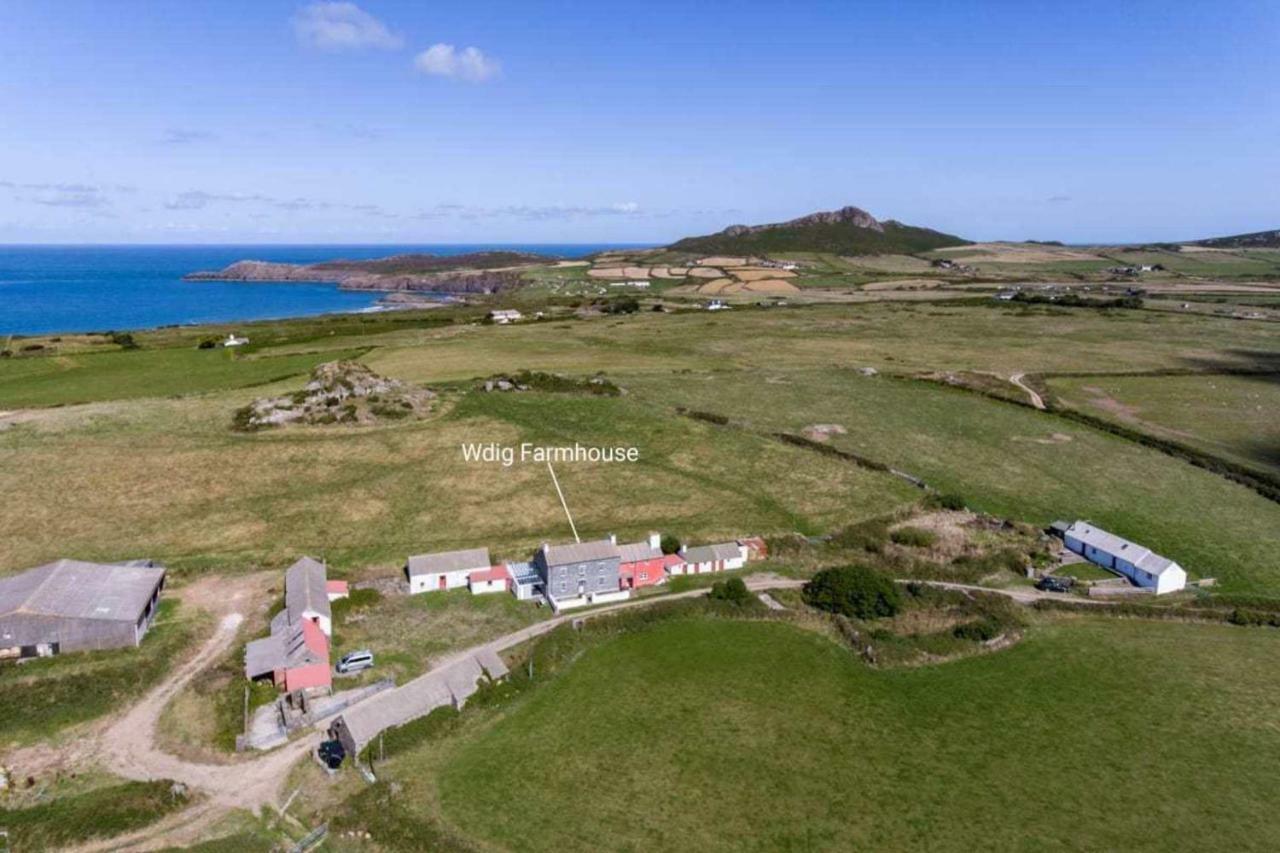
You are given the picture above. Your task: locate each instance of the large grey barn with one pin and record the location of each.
(71, 606)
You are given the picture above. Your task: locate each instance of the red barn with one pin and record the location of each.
(642, 563)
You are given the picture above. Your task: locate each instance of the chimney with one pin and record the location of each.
(613, 540)
(655, 540)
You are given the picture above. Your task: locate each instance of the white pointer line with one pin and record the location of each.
(572, 526)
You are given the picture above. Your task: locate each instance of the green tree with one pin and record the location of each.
(733, 590)
(669, 544)
(854, 591)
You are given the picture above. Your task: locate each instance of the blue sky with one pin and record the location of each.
(394, 121)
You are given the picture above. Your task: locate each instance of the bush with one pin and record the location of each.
(670, 544)
(952, 502)
(854, 591)
(867, 536)
(207, 343)
(732, 590)
(915, 537)
(124, 340)
(980, 630)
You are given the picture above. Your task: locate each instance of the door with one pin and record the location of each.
(444, 582)
(582, 588)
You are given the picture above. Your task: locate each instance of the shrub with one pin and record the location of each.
(124, 340)
(670, 544)
(867, 536)
(980, 630)
(207, 343)
(854, 591)
(915, 537)
(732, 590)
(952, 502)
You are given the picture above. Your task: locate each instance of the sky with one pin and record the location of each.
(411, 121)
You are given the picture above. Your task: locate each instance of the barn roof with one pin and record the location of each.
(581, 552)
(305, 589)
(466, 560)
(712, 553)
(288, 646)
(74, 589)
(1117, 546)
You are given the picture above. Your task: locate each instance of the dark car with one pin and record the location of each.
(1052, 584)
(332, 753)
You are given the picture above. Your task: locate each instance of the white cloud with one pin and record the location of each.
(342, 26)
(445, 60)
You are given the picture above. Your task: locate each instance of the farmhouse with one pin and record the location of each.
(580, 574)
(503, 316)
(1141, 565)
(445, 570)
(295, 655)
(702, 559)
(71, 606)
(641, 563)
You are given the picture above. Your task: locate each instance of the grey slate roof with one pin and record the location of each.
(581, 552)
(449, 561)
(304, 589)
(636, 551)
(712, 553)
(73, 589)
(1142, 557)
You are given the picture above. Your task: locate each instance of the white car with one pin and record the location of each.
(355, 662)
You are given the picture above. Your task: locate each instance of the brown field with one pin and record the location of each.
(756, 274)
(902, 284)
(1018, 253)
(706, 272)
(607, 272)
(722, 262)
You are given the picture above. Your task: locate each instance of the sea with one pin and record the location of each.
(56, 289)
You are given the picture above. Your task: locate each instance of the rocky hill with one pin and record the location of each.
(339, 392)
(1256, 240)
(847, 231)
(477, 272)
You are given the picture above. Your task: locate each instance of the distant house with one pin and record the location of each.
(721, 557)
(642, 285)
(445, 570)
(641, 563)
(295, 655)
(233, 341)
(503, 316)
(717, 305)
(1141, 565)
(492, 579)
(72, 606)
(579, 574)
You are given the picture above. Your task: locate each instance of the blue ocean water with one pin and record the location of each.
(46, 289)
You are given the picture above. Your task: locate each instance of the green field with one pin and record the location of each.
(716, 735)
(1234, 417)
(58, 380)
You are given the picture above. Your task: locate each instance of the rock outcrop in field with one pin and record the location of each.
(339, 392)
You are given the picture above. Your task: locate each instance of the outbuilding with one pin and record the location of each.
(492, 579)
(72, 606)
(702, 559)
(1139, 564)
(295, 655)
(445, 570)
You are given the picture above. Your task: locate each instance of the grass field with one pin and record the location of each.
(45, 696)
(760, 736)
(101, 812)
(1015, 462)
(1235, 417)
(60, 380)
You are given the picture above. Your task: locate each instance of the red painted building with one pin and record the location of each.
(642, 563)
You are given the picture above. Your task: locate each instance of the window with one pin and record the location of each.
(644, 576)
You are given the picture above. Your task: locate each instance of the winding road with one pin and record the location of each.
(1036, 399)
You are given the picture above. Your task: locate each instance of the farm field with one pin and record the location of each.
(1235, 417)
(168, 479)
(761, 736)
(1014, 462)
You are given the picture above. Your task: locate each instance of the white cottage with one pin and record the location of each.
(445, 570)
(1141, 565)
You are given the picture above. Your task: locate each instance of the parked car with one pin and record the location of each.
(355, 661)
(1049, 583)
(332, 753)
